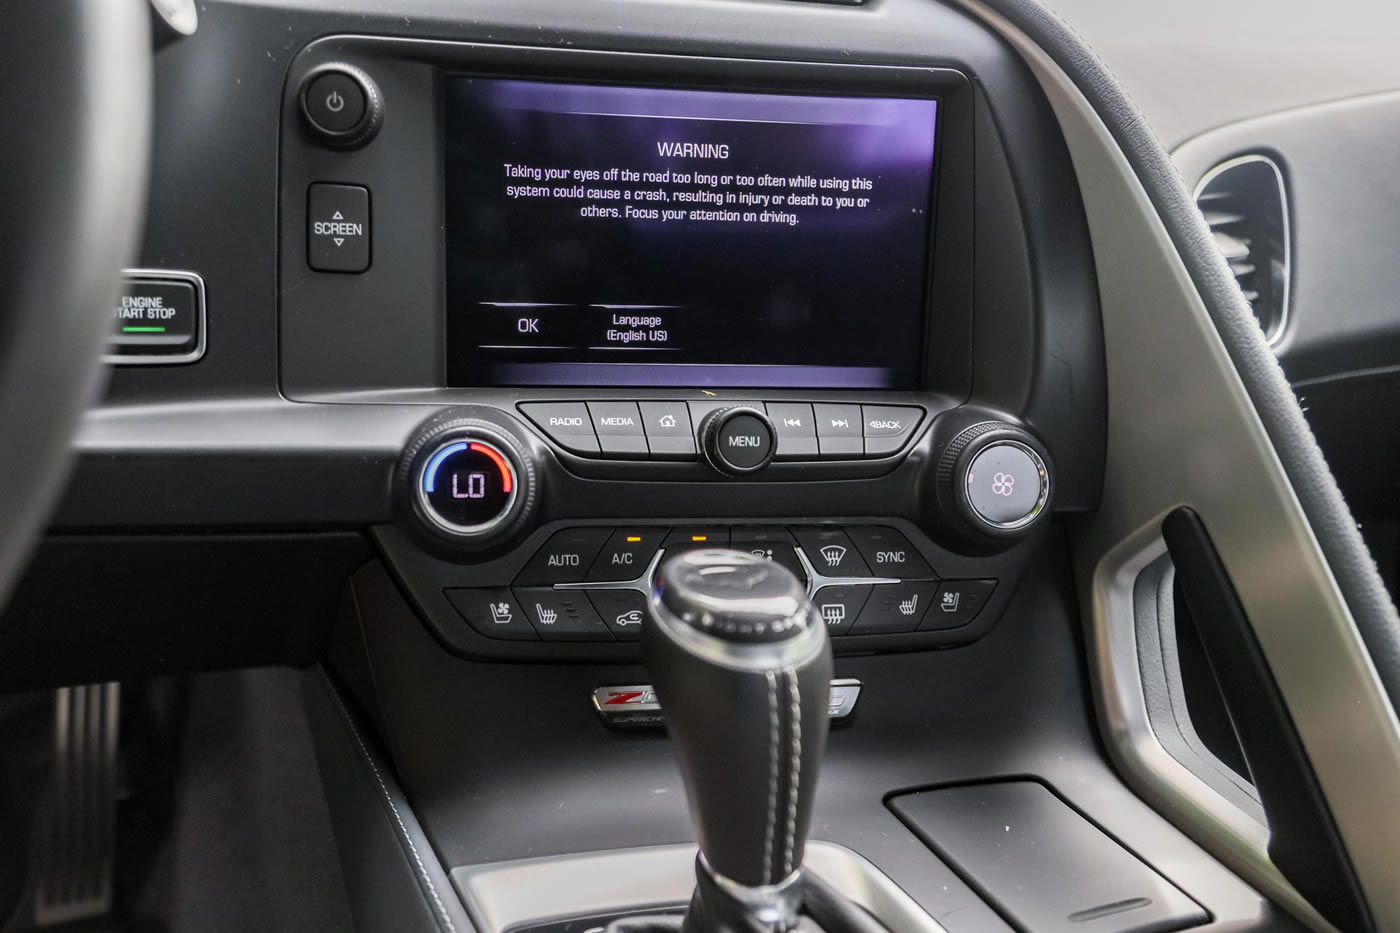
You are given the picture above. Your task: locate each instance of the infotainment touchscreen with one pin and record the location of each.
(625, 236)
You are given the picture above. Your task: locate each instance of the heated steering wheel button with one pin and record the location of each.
(622, 612)
(337, 228)
(564, 558)
(562, 615)
(492, 612)
(957, 603)
(831, 552)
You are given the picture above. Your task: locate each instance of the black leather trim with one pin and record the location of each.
(75, 114)
(391, 871)
(1346, 553)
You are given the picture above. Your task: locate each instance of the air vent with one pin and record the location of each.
(1246, 207)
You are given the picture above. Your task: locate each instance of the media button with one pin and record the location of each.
(564, 558)
(568, 424)
(888, 427)
(839, 433)
(831, 552)
(626, 556)
(797, 433)
(668, 430)
(889, 553)
(840, 606)
(619, 429)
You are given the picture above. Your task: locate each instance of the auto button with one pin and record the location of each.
(564, 558)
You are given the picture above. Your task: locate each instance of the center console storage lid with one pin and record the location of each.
(1042, 865)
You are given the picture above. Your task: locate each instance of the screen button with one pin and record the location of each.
(839, 431)
(797, 432)
(889, 553)
(619, 429)
(888, 427)
(831, 552)
(337, 228)
(668, 430)
(568, 424)
(564, 558)
(626, 556)
(492, 612)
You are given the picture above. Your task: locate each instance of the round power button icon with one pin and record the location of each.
(341, 104)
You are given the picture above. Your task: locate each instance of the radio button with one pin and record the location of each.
(626, 556)
(562, 615)
(491, 612)
(668, 430)
(895, 608)
(888, 427)
(831, 553)
(564, 558)
(568, 424)
(839, 431)
(889, 553)
(797, 434)
(619, 429)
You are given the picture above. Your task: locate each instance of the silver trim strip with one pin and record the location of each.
(172, 275)
(845, 693)
(1275, 336)
(506, 895)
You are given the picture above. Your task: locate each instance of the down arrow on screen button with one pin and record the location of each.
(337, 228)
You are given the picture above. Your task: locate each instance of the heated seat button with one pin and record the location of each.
(157, 317)
(889, 553)
(668, 430)
(626, 556)
(894, 608)
(831, 552)
(492, 612)
(337, 228)
(888, 427)
(839, 434)
(562, 615)
(564, 558)
(771, 542)
(568, 424)
(619, 429)
(839, 606)
(622, 612)
(957, 602)
(797, 433)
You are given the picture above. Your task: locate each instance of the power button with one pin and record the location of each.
(341, 104)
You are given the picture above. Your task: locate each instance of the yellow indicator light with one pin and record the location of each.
(633, 539)
(699, 537)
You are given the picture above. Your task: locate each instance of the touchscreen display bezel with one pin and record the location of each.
(945, 314)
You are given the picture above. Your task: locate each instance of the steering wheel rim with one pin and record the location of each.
(75, 110)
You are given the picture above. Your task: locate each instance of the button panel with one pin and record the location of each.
(665, 430)
(593, 583)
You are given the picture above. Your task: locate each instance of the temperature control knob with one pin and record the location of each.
(738, 440)
(993, 482)
(468, 481)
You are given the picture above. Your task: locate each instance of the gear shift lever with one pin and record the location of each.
(742, 666)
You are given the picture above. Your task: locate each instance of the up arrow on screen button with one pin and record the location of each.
(337, 230)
